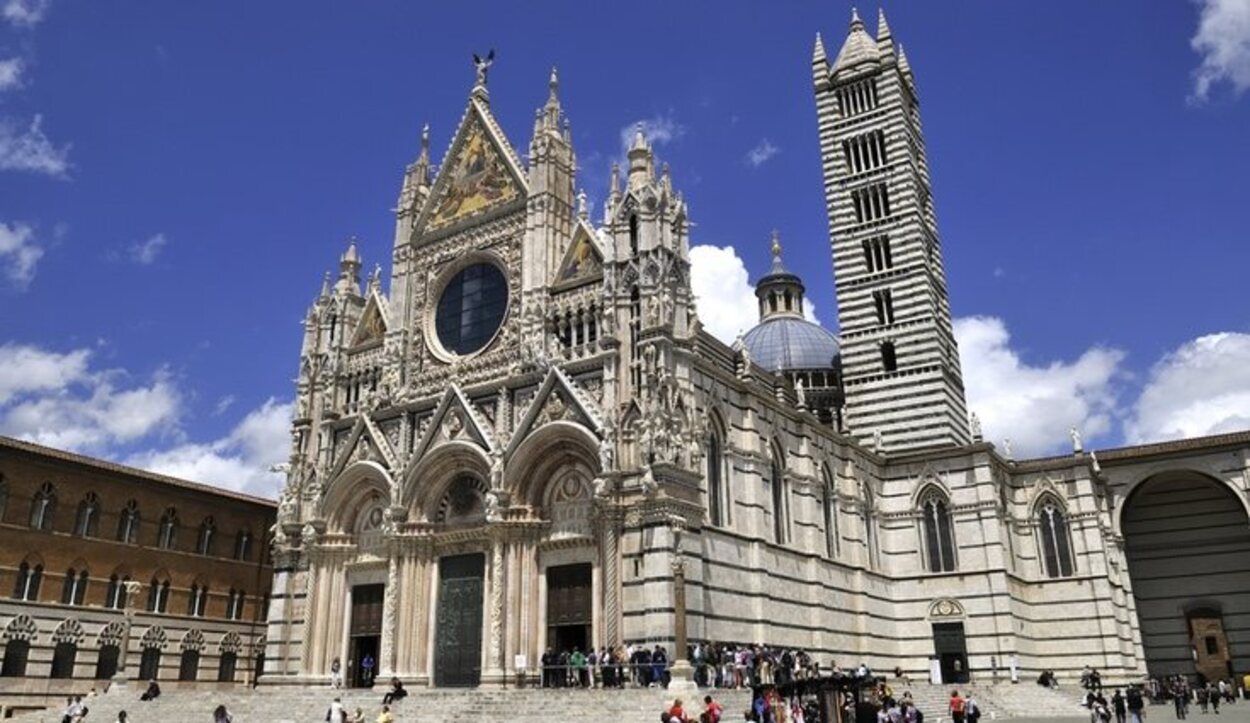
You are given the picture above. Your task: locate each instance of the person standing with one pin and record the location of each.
(1136, 706)
(1118, 705)
(956, 707)
(972, 709)
(1180, 699)
(336, 714)
(336, 674)
(1213, 694)
(221, 715)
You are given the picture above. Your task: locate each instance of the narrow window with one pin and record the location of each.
(88, 516)
(128, 523)
(204, 543)
(1056, 540)
(42, 507)
(714, 500)
(939, 541)
(16, 653)
(189, 665)
(889, 361)
(633, 235)
(829, 508)
(169, 529)
(63, 657)
(75, 587)
(868, 256)
(242, 545)
(779, 503)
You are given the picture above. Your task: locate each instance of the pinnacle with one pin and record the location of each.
(818, 53)
(640, 138)
(553, 86)
(883, 28)
(856, 23)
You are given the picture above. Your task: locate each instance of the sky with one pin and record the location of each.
(175, 178)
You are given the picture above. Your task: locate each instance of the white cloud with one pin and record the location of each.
(25, 369)
(31, 150)
(223, 404)
(145, 252)
(11, 73)
(724, 293)
(19, 254)
(241, 460)
(659, 130)
(761, 153)
(1035, 406)
(1223, 41)
(1200, 388)
(24, 13)
(57, 400)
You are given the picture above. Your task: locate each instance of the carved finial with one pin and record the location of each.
(583, 208)
(325, 285)
(553, 86)
(776, 244)
(614, 186)
(482, 68)
(856, 23)
(818, 52)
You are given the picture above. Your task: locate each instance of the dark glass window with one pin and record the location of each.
(471, 308)
(63, 658)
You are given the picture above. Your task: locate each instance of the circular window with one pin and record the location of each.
(471, 308)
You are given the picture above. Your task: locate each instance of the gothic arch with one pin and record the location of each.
(193, 639)
(929, 485)
(429, 480)
(354, 483)
(230, 643)
(69, 631)
(22, 627)
(539, 458)
(154, 637)
(111, 634)
(946, 609)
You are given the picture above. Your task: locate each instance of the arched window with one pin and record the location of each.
(88, 518)
(1056, 539)
(169, 530)
(158, 595)
(868, 518)
(777, 481)
(633, 235)
(226, 666)
(115, 596)
(75, 587)
(16, 653)
(939, 542)
(64, 655)
(198, 600)
(242, 545)
(43, 507)
(829, 506)
(715, 480)
(204, 541)
(26, 586)
(234, 604)
(150, 663)
(189, 665)
(128, 523)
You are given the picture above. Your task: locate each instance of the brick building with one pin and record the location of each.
(110, 572)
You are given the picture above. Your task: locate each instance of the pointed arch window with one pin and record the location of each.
(158, 596)
(829, 507)
(115, 595)
(29, 577)
(868, 519)
(128, 523)
(633, 235)
(198, 601)
(780, 513)
(939, 540)
(75, 588)
(204, 541)
(1056, 539)
(234, 604)
(242, 545)
(169, 529)
(43, 507)
(88, 519)
(715, 479)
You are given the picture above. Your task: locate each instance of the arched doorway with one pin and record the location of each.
(1187, 540)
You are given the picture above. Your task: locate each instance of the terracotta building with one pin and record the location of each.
(111, 573)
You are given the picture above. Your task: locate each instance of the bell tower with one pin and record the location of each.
(900, 360)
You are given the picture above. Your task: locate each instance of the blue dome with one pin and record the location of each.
(788, 343)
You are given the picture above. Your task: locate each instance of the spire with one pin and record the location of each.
(885, 40)
(780, 291)
(640, 168)
(422, 167)
(859, 46)
(903, 65)
(553, 88)
(818, 53)
(325, 286)
(349, 269)
(583, 208)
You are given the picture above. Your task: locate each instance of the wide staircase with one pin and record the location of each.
(439, 705)
(997, 700)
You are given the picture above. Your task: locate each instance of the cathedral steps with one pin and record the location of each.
(531, 705)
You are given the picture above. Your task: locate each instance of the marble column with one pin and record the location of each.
(390, 611)
(493, 673)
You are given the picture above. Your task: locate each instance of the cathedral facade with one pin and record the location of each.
(525, 440)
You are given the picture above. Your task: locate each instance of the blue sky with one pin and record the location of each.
(175, 178)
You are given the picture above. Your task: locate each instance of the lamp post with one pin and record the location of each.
(133, 587)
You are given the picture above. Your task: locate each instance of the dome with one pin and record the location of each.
(787, 343)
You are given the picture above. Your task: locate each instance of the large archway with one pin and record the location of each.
(1187, 539)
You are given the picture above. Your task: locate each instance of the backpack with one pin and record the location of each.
(919, 716)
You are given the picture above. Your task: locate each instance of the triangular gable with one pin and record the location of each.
(364, 442)
(455, 419)
(558, 398)
(583, 261)
(480, 172)
(373, 323)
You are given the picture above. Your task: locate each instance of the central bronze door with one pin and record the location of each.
(458, 637)
(366, 634)
(569, 606)
(952, 651)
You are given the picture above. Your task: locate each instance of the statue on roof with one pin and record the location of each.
(482, 66)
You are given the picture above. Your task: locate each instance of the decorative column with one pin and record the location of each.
(121, 678)
(390, 610)
(494, 673)
(611, 578)
(681, 671)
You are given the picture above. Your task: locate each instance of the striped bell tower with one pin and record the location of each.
(900, 362)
